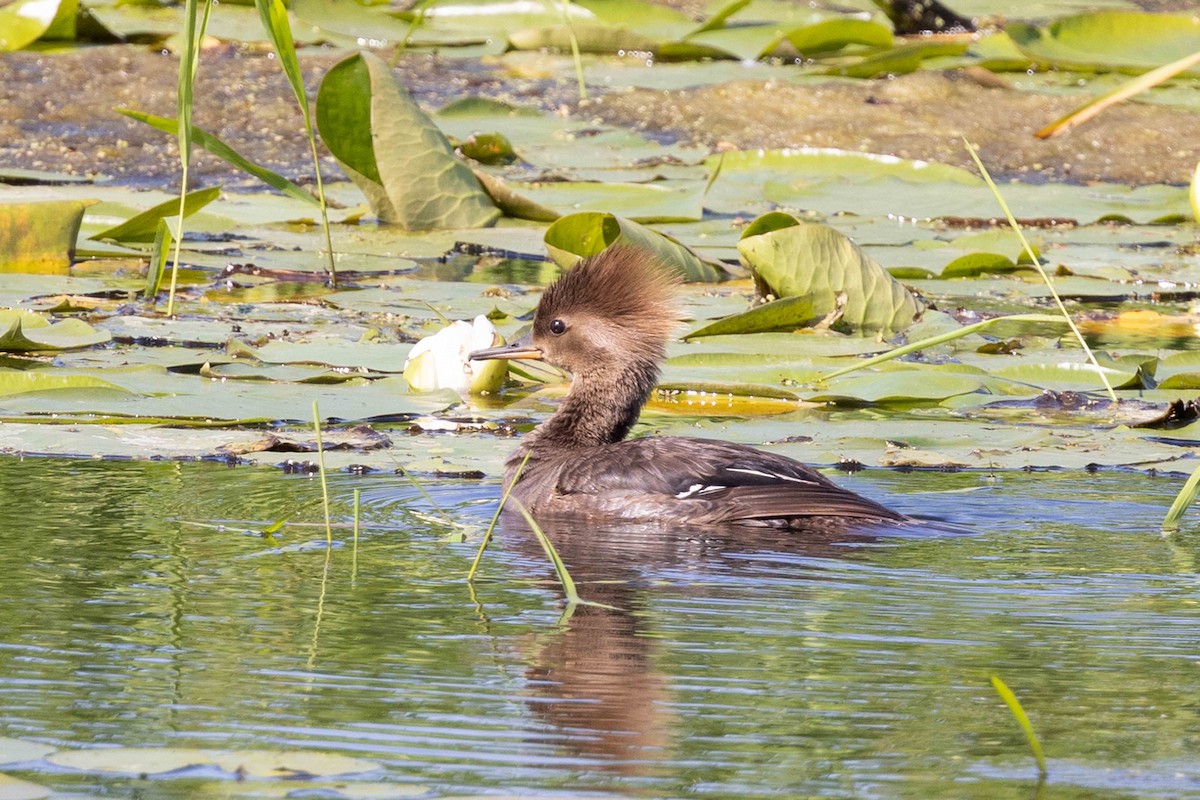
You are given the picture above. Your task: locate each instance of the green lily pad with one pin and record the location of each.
(834, 34)
(785, 314)
(578, 236)
(819, 263)
(897, 386)
(1105, 40)
(394, 153)
(975, 264)
(40, 237)
(27, 333)
(14, 382)
(252, 763)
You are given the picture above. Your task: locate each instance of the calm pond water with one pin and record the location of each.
(141, 606)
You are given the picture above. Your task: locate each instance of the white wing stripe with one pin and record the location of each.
(773, 475)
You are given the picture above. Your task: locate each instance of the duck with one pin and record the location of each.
(607, 321)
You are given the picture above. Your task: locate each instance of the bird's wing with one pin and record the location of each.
(735, 481)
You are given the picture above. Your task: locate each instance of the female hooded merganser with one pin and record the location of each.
(607, 321)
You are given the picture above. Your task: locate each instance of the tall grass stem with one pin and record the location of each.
(189, 62)
(1037, 263)
(487, 535)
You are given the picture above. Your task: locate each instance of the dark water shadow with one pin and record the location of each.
(596, 678)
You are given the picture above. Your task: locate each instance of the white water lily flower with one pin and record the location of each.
(440, 361)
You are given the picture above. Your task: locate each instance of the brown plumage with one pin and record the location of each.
(607, 321)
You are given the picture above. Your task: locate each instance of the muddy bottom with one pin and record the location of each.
(924, 115)
(57, 114)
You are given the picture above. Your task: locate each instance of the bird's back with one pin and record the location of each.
(685, 480)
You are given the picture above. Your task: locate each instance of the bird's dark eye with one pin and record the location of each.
(558, 327)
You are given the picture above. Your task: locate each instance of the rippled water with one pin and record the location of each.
(141, 605)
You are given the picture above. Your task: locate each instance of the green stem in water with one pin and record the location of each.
(1037, 262)
(1014, 706)
(321, 471)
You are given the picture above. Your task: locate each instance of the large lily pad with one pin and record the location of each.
(815, 261)
(394, 153)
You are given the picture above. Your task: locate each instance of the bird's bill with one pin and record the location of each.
(523, 348)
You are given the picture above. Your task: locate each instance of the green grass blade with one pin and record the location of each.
(357, 517)
(1182, 500)
(321, 470)
(564, 577)
(487, 535)
(941, 338)
(1037, 262)
(275, 21)
(428, 499)
(1014, 705)
(189, 62)
(207, 141)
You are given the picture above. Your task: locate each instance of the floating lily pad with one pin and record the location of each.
(13, 751)
(27, 333)
(1110, 39)
(245, 763)
(16, 789)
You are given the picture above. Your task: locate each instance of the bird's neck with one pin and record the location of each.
(600, 408)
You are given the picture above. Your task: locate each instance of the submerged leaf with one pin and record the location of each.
(394, 153)
(819, 263)
(581, 235)
(256, 763)
(40, 237)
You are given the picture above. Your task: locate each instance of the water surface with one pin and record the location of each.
(142, 606)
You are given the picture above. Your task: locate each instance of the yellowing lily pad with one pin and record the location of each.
(40, 237)
(244, 763)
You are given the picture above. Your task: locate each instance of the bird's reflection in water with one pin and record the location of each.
(596, 679)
